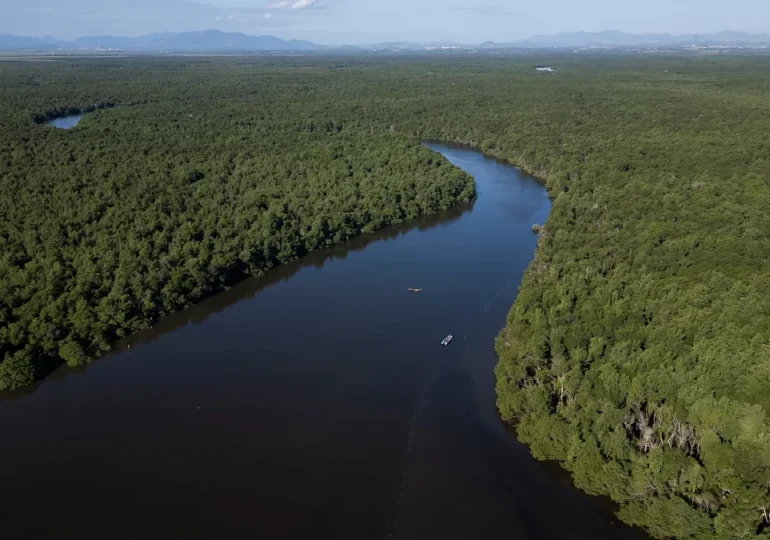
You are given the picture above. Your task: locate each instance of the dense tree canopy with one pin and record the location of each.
(638, 350)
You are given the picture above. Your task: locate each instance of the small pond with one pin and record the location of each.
(65, 122)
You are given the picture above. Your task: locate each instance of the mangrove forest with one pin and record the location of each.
(637, 353)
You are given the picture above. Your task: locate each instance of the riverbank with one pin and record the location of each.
(199, 233)
(311, 352)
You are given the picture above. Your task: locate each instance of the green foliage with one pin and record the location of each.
(72, 353)
(643, 323)
(17, 369)
(638, 350)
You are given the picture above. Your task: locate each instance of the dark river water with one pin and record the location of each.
(65, 122)
(315, 402)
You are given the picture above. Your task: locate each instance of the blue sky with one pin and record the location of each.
(366, 21)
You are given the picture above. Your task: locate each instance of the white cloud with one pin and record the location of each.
(268, 15)
(292, 4)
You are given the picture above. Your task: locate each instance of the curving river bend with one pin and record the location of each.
(315, 402)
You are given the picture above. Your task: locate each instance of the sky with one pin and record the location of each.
(370, 21)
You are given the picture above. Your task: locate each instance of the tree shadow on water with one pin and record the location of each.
(467, 478)
(246, 289)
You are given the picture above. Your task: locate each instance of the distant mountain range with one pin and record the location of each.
(613, 38)
(217, 41)
(205, 41)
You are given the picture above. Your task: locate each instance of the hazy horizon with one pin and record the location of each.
(366, 21)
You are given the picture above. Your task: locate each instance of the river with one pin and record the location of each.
(315, 401)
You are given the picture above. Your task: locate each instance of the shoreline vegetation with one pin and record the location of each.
(637, 353)
(63, 112)
(360, 188)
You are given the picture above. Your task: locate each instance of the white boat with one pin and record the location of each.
(447, 340)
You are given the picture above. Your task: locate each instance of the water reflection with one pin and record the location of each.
(65, 122)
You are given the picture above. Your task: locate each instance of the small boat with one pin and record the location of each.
(447, 340)
(412, 289)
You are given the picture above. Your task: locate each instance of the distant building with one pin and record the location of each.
(544, 68)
